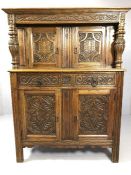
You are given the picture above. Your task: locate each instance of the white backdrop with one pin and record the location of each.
(5, 57)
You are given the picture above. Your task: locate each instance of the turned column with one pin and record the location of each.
(13, 42)
(119, 41)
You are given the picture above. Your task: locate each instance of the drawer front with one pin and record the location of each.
(39, 79)
(67, 79)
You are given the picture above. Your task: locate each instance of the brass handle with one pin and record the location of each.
(39, 83)
(75, 50)
(94, 82)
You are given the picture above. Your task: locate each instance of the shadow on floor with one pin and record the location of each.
(45, 153)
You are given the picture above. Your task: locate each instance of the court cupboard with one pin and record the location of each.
(67, 77)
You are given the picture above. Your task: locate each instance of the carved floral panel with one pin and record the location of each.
(41, 114)
(90, 46)
(93, 114)
(44, 47)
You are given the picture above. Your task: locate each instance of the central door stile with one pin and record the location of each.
(69, 116)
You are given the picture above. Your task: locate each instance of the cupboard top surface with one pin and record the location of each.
(68, 70)
(63, 10)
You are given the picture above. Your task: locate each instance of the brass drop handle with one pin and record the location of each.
(94, 82)
(39, 83)
(75, 50)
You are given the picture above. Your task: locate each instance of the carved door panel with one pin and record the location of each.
(88, 46)
(43, 46)
(95, 113)
(41, 114)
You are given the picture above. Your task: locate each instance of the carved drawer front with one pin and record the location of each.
(66, 79)
(95, 112)
(41, 114)
(39, 79)
(88, 79)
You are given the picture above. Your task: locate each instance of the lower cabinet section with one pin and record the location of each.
(62, 115)
(67, 116)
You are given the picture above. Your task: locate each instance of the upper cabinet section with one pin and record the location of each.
(66, 38)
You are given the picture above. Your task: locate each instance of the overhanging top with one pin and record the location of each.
(65, 15)
(62, 10)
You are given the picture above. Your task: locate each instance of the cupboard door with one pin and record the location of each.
(43, 46)
(88, 46)
(41, 114)
(95, 110)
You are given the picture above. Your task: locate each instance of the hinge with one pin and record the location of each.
(75, 50)
(57, 51)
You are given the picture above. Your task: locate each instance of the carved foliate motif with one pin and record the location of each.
(41, 114)
(93, 114)
(44, 47)
(58, 79)
(99, 78)
(39, 79)
(90, 46)
(82, 18)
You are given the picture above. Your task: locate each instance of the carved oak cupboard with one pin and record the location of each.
(67, 77)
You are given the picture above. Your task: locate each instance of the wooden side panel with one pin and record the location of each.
(117, 119)
(109, 49)
(17, 118)
(21, 40)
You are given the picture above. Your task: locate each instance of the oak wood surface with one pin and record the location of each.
(67, 77)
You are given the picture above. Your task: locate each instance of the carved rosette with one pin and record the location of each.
(13, 42)
(120, 41)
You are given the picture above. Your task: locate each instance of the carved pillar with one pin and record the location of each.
(13, 42)
(120, 41)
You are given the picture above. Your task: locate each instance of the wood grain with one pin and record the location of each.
(67, 77)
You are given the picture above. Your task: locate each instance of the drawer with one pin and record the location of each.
(39, 79)
(82, 79)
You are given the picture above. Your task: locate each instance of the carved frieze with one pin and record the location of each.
(93, 114)
(60, 18)
(64, 79)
